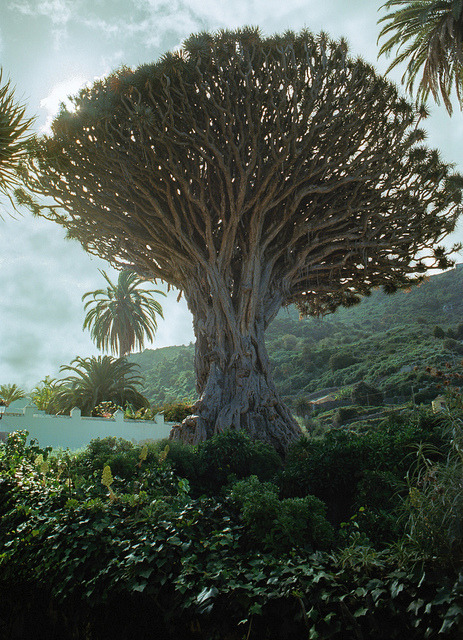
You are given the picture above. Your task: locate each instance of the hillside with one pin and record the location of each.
(386, 341)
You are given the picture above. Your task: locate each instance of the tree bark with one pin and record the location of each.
(233, 372)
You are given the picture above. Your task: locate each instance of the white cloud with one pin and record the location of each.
(111, 61)
(235, 14)
(184, 17)
(60, 95)
(147, 23)
(59, 11)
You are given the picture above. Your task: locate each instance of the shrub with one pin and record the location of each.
(225, 457)
(281, 524)
(366, 395)
(302, 407)
(120, 455)
(434, 504)
(426, 395)
(185, 461)
(344, 414)
(145, 413)
(333, 467)
(290, 342)
(233, 455)
(341, 361)
(329, 468)
(378, 494)
(258, 503)
(453, 345)
(105, 410)
(177, 411)
(78, 564)
(99, 450)
(438, 332)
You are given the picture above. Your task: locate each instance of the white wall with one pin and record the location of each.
(73, 431)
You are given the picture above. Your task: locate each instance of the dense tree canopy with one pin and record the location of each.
(250, 173)
(428, 36)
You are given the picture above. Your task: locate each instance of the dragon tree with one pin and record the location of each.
(250, 173)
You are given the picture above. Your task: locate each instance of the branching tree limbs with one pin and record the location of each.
(250, 173)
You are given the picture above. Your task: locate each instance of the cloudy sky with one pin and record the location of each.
(49, 48)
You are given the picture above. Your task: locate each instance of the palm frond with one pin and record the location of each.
(122, 316)
(14, 126)
(95, 380)
(428, 35)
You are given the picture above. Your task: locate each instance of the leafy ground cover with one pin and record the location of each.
(355, 535)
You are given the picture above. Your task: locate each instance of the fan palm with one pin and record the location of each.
(121, 315)
(13, 136)
(428, 35)
(95, 380)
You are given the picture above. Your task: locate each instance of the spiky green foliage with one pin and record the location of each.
(11, 392)
(95, 380)
(13, 136)
(43, 395)
(428, 36)
(122, 315)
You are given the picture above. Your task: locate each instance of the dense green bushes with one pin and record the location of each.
(236, 545)
(213, 464)
(233, 455)
(341, 360)
(176, 411)
(279, 525)
(119, 454)
(338, 468)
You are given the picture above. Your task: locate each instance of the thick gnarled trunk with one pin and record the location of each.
(233, 372)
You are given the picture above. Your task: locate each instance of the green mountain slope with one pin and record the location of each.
(386, 340)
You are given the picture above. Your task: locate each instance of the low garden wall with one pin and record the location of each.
(74, 431)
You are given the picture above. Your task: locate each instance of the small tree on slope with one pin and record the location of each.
(250, 173)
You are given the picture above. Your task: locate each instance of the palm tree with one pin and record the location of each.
(95, 380)
(302, 407)
(121, 315)
(13, 138)
(11, 392)
(43, 395)
(428, 35)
